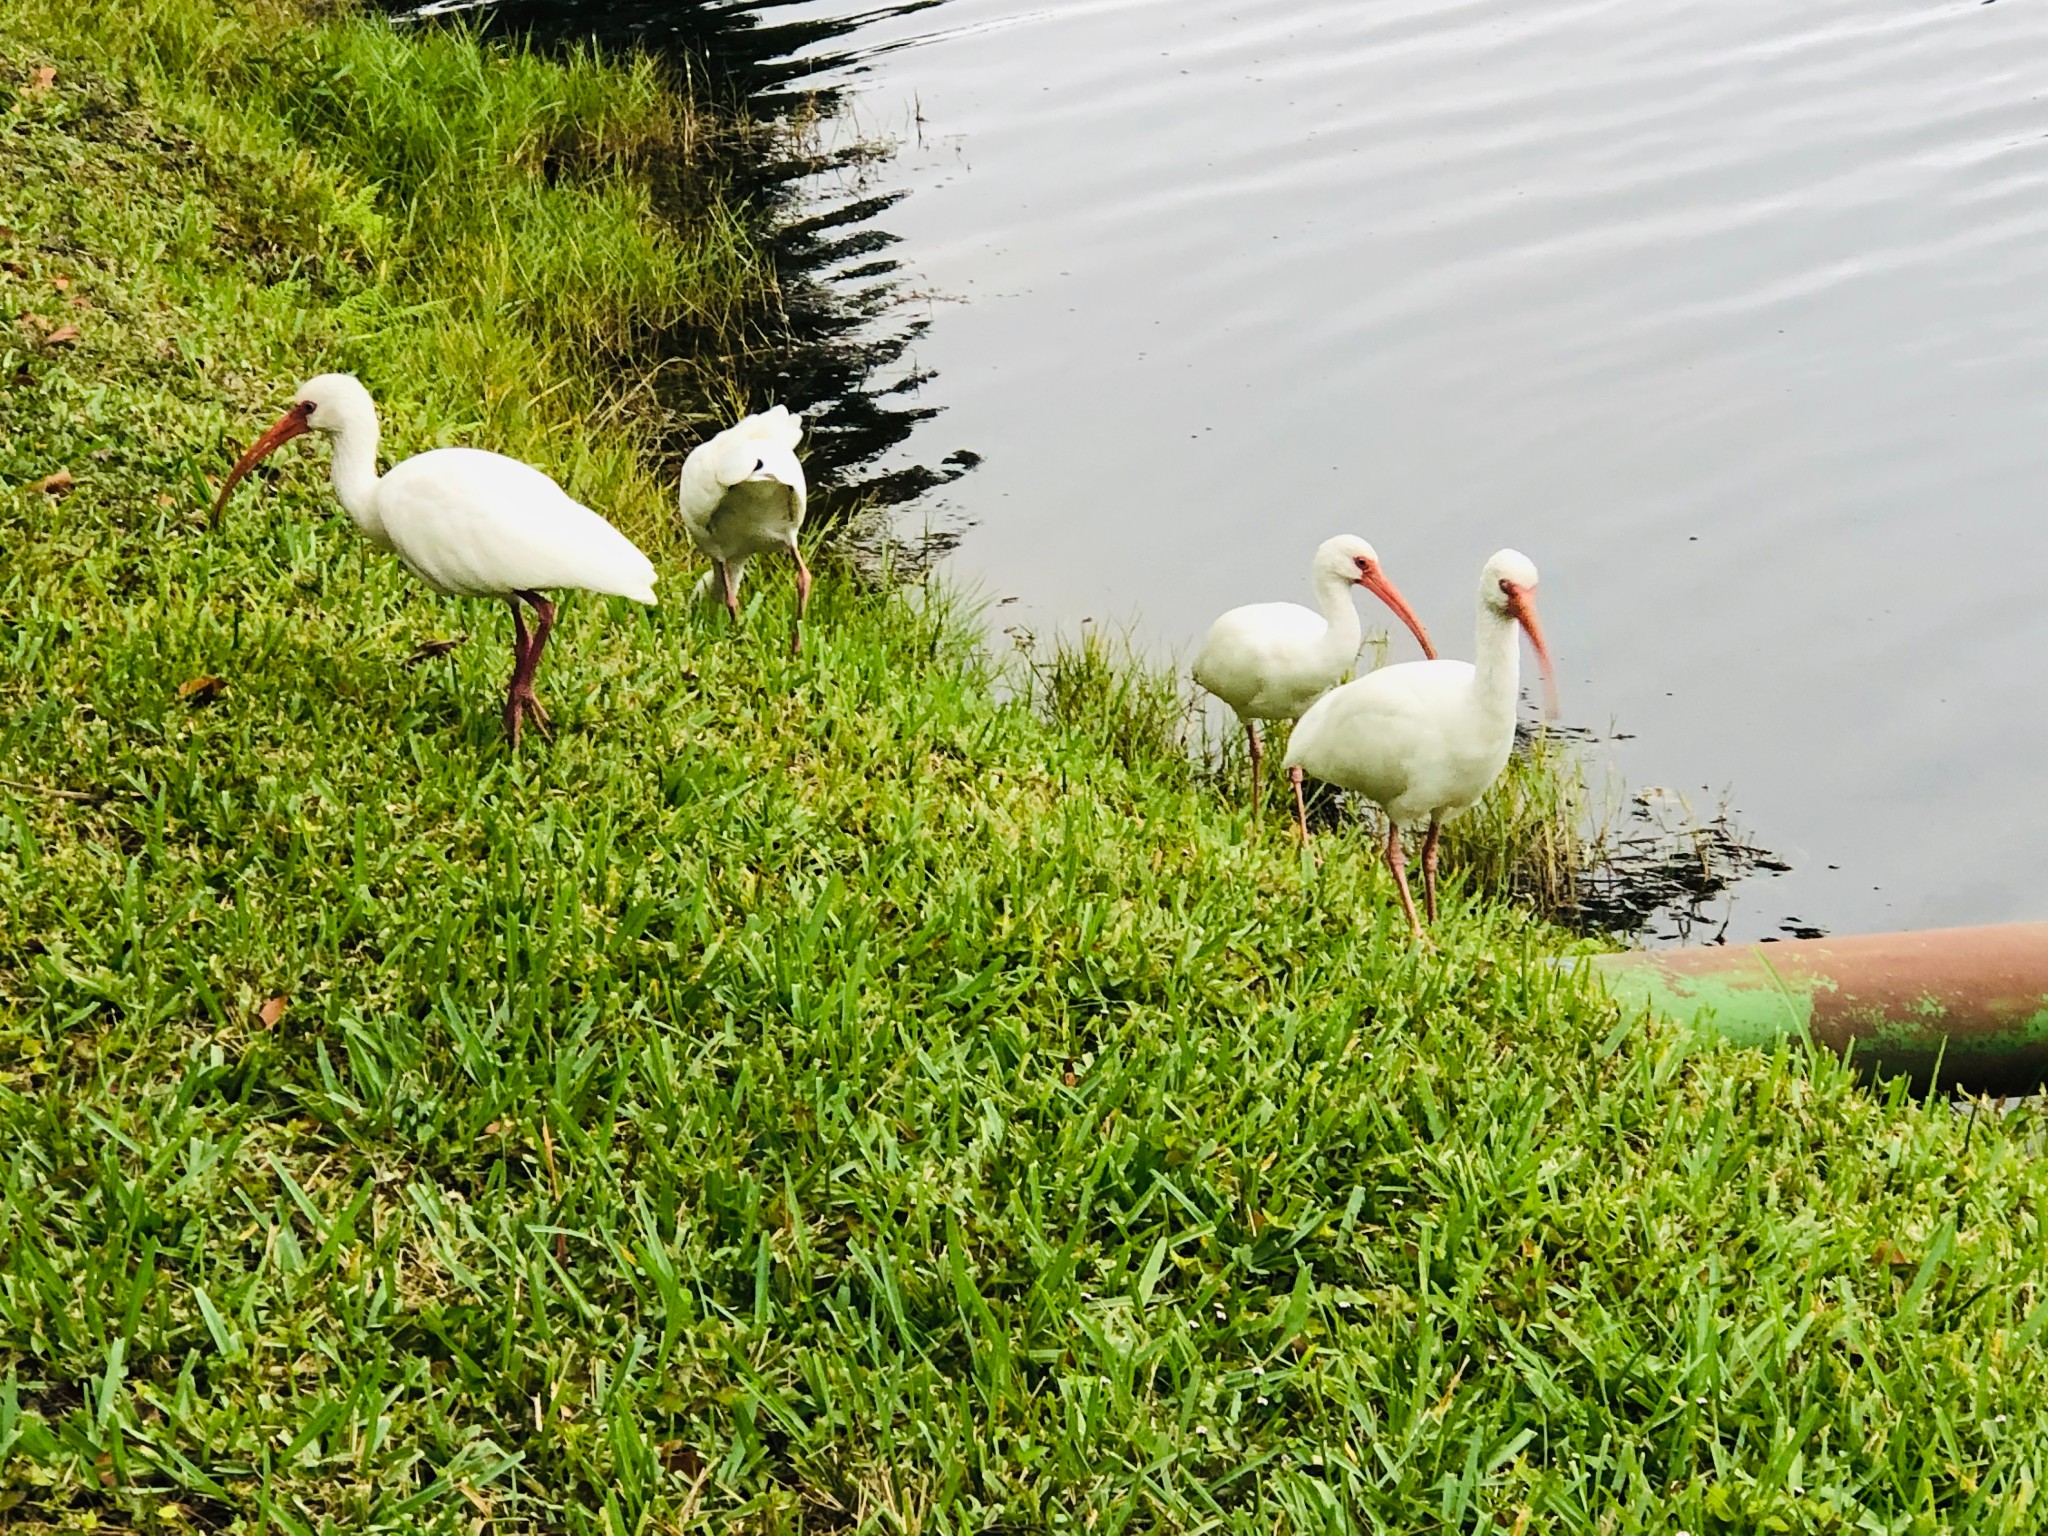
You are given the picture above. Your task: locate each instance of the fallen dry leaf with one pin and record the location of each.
(271, 1012)
(51, 485)
(79, 301)
(427, 650)
(165, 499)
(60, 283)
(42, 78)
(679, 1456)
(9, 233)
(201, 690)
(63, 336)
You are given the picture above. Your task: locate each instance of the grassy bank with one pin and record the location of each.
(812, 1093)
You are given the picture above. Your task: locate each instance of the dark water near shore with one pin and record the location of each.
(1733, 316)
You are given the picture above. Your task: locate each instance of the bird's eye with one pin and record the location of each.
(1507, 587)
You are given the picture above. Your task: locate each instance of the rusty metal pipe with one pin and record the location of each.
(1973, 1001)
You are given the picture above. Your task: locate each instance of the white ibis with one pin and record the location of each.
(742, 495)
(1426, 739)
(1270, 661)
(468, 523)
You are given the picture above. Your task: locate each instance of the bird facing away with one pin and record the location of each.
(1426, 739)
(467, 522)
(1270, 661)
(743, 494)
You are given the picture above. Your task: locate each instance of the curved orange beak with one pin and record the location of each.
(1522, 609)
(1374, 580)
(288, 426)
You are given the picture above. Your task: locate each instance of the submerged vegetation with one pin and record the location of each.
(844, 1091)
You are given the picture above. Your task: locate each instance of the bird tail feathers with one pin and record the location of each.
(739, 450)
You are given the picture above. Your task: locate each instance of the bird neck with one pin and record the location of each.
(1496, 665)
(1340, 640)
(354, 473)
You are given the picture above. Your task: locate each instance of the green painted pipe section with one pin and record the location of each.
(1741, 1007)
(1968, 1006)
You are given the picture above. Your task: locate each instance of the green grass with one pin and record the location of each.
(483, 236)
(844, 1091)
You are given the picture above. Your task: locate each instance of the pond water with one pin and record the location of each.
(1733, 316)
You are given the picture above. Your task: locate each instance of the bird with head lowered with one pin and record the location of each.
(467, 522)
(742, 494)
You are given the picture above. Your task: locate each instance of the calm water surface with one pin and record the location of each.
(1734, 316)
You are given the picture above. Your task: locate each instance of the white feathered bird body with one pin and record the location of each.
(1426, 739)
(467, 522)
(1270, 661)
(476, 524)
(743, 492)
(1418, 740)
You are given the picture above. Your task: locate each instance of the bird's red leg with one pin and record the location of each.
(1300, 805)
(543, 626)
(1251, 736)
(521, 643)
(1397, 861)
(803, 598)
(520, 704)
(730, 582)
(1429, 868)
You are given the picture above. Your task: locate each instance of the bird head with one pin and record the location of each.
(1508, 587)
(334, 401)
(1348, 558)
(327, 404)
